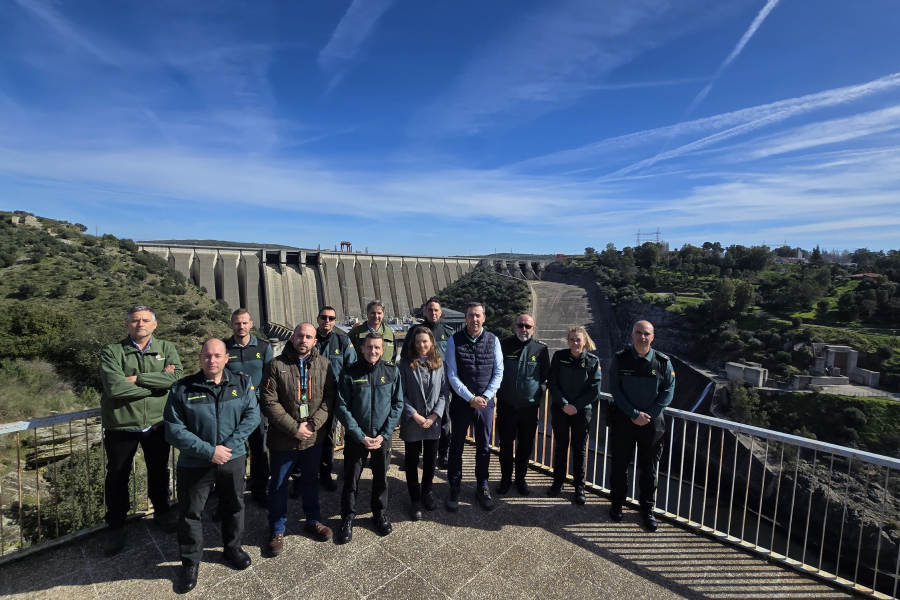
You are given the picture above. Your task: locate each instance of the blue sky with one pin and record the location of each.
(456, 127)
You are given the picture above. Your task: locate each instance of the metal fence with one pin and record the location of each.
(824, 510)
(52, 479)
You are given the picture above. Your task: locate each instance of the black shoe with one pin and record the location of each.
(345, 533)
(428, 501)
(382, 525)
(554, 490)
(504, 486)
(442, 462)
(484, 498)
(295, 489)
(579, 498)
(650, 521)
(415, 511)
(327, 482)
(115, 541)
(615, 513)
(261, 497)
(523, 487)
(452, 502)
(401, 466)
(238, 559)
(188, 578)
(167, 521)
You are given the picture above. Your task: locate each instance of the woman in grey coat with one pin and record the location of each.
(425, 392)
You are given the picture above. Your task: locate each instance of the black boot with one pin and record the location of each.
(345, 533)
(579, 497)
(650, 521)
(187, 580)
(505, 484)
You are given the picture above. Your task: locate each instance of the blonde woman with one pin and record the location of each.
(574, 385)
(425, 394)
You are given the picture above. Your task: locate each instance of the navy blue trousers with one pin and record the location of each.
(461, 416)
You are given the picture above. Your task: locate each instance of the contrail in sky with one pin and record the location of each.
(769, 7)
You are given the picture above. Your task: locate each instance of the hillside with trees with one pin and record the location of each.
(64, 295)
(504, 298)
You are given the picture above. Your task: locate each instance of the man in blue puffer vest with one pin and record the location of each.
(209, 416)
(475, 370)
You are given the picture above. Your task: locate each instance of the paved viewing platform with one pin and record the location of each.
(528, 547)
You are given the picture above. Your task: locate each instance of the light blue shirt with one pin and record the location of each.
(453, 377)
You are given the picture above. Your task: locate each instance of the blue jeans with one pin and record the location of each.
(283, 463)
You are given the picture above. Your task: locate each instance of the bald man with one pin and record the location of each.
(209, 416)
(297, 394)
(642, 382)
(526, 365)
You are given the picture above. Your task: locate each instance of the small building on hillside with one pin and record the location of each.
(752, 373)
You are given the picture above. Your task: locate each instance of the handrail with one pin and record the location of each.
(48, 421)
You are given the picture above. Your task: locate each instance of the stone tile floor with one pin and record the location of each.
(534, 547)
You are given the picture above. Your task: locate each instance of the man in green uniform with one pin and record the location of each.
(247, 354)
(374, 324)
(526, 364)
(370, 402)
(136, 373)
(336, 347)
(209, 417)
(642, 383)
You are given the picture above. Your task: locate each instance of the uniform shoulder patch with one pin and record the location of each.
(661, 355)
(621, 352)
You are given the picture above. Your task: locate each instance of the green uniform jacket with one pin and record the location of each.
(200, 416)
(336, 347)
(574, 381)
(441, 331)
(642, 384)
(370, 400)
(249, 359)
(526, 365)
(127, 406)
(359, 334)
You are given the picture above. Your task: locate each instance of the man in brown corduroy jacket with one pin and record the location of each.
(297, 395)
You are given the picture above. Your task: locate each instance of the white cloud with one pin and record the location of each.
(715, 129)
(757, 22)
(556, 55)
(65, 29)
(357, 24)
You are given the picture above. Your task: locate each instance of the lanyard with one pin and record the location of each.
(303, 387)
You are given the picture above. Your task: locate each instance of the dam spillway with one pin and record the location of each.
(288, 286)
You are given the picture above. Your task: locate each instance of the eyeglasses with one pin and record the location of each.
(524, 326)
(327, 318)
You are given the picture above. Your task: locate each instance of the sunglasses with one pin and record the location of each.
(327, 318)
(524, 326)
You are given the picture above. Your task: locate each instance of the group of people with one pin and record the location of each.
(285, 409)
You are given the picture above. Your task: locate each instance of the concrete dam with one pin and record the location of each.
(289, 286)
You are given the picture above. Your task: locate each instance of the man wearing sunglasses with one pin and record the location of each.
(526, 364)
(336, 346)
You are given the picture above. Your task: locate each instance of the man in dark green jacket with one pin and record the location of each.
(374, 324)
(136, 373)
(642, 383)
(340, 353)
(247, 354)
(370, 402)
(209, 417)
(526, 364)
(431, 313)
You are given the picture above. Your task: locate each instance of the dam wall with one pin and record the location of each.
(289, 286)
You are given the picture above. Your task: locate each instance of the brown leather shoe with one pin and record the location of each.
(319, 532)
(276, 544)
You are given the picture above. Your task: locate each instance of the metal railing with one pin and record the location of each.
(52, 482)
(824, 510)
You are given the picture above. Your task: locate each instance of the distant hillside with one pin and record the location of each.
(64, 295)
